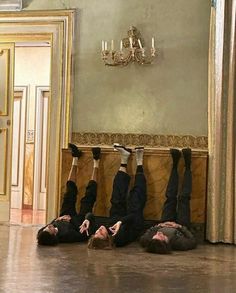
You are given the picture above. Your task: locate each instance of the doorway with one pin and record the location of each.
(56, 27)
(30, 121)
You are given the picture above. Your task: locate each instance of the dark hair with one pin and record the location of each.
(45, 238)
(158, 246)
(98, 243)
(144, 240)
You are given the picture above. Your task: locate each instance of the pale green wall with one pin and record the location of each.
(168, 97)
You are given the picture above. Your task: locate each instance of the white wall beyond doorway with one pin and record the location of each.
(32, 69)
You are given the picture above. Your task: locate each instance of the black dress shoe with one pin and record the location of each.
(74, 150)
(187, 154)
(176, 154)
(96, 153)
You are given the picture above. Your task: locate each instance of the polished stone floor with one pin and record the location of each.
(72, 268)
(27, 216)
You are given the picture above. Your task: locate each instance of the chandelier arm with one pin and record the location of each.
(144, 60)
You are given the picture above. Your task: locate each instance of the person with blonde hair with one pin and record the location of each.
(126, 220)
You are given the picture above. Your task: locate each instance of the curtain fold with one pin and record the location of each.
(221, 202)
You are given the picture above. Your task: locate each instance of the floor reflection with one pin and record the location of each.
(27, 216)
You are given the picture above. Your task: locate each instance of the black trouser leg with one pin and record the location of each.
(183, 211)
(129, 232)
(136, 203)
(119, 194)
(169, 208)
(137, 197)
(69, 200)
(87, 202)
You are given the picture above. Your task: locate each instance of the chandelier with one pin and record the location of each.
(132, 49)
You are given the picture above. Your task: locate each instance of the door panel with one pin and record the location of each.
(3, 152)
(4, 85)
(18, 142)
(41, 148)
(6, 100)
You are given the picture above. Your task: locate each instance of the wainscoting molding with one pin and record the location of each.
(147, 140)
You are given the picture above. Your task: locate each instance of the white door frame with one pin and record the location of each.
(58, 28)
(39, 200)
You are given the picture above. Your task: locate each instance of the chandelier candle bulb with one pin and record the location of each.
(103, 45)
(131, 42)
(140, 44)
(152, 42)
(112, 45)
(121, 45)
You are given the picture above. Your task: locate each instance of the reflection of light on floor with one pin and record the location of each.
(27, 217)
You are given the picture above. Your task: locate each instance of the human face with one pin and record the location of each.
(51, 229)
(101, 233)
(160, 236)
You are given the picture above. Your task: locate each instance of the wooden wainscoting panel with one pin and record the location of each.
(157, 166)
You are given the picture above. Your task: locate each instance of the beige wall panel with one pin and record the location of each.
(157, 166)
(168, 97)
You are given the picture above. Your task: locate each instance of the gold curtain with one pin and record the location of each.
(221, 202)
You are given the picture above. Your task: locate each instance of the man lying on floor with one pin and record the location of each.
(173, 231)
(126, 220)
(66, 228)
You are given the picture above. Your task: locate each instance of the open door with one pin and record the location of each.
(6, 102)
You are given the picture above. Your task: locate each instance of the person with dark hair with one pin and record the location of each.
(126, 220)
(172, 233)
(66, 228)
